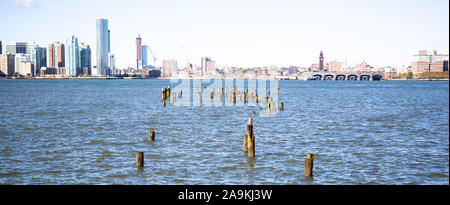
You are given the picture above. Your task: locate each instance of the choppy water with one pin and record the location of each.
(87, 132)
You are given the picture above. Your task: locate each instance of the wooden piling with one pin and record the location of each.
(309, 166)
(281, 106)
(250, 138)
(234, 98)
(151, 135)
(139, 159)
(165, 93)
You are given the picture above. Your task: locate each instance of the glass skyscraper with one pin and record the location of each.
(102, 49)
(72, 56)
(144, 55)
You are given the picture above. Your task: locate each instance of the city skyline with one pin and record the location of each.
(244, 34)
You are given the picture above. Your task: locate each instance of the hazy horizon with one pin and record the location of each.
(240, 33)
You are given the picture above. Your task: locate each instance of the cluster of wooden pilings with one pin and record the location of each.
(165, 94)
(248, 148)
(249, 137)
(232, 95)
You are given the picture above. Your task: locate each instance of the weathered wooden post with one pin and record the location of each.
(250, 138)
(151, 135)
(140, 159)
(309, 165)
(163, 94)
(281, 106)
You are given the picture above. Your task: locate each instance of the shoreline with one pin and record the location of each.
(165, 78)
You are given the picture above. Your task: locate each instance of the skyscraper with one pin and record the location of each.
(103, 46)
(111, 64)
(17, 47)
(1, 47)
(72, 56)
(144, 49)
(321, 61)
(85, 59)
(38, 57)
(56, 55)
(138, 51)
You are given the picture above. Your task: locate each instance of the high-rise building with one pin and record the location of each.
(7, 65)
(38, 56)
(19, 58)
(207, 65)
(103, 47)
(144, 49)
(138, 51)
(85, 59)
(321, 61)
(17, 47)
(72, 56)
(56, 55)
(169, 67)
(1, 47)
(111, 64)
(428, 61)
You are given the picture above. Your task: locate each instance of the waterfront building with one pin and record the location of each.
(111, 64)
(7, 65)
(38, 57)
(17, 47)
(144, 49)
(72, 56)
(335, 66)
(27, 68)
(103, 47)
(208, 65)
(85, 59)
(169, 67)
(429, 61)
(138, 51)
(363, 66)
(19, 58)
(56, 55)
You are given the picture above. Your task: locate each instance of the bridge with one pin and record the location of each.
(347, 75)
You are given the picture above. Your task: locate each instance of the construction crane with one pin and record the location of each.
(189, 68)
(154, 57)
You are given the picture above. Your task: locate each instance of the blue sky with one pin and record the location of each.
(240, 32)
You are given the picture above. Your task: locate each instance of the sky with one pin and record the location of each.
(242, 33)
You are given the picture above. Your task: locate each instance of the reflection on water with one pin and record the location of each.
(88, 131)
